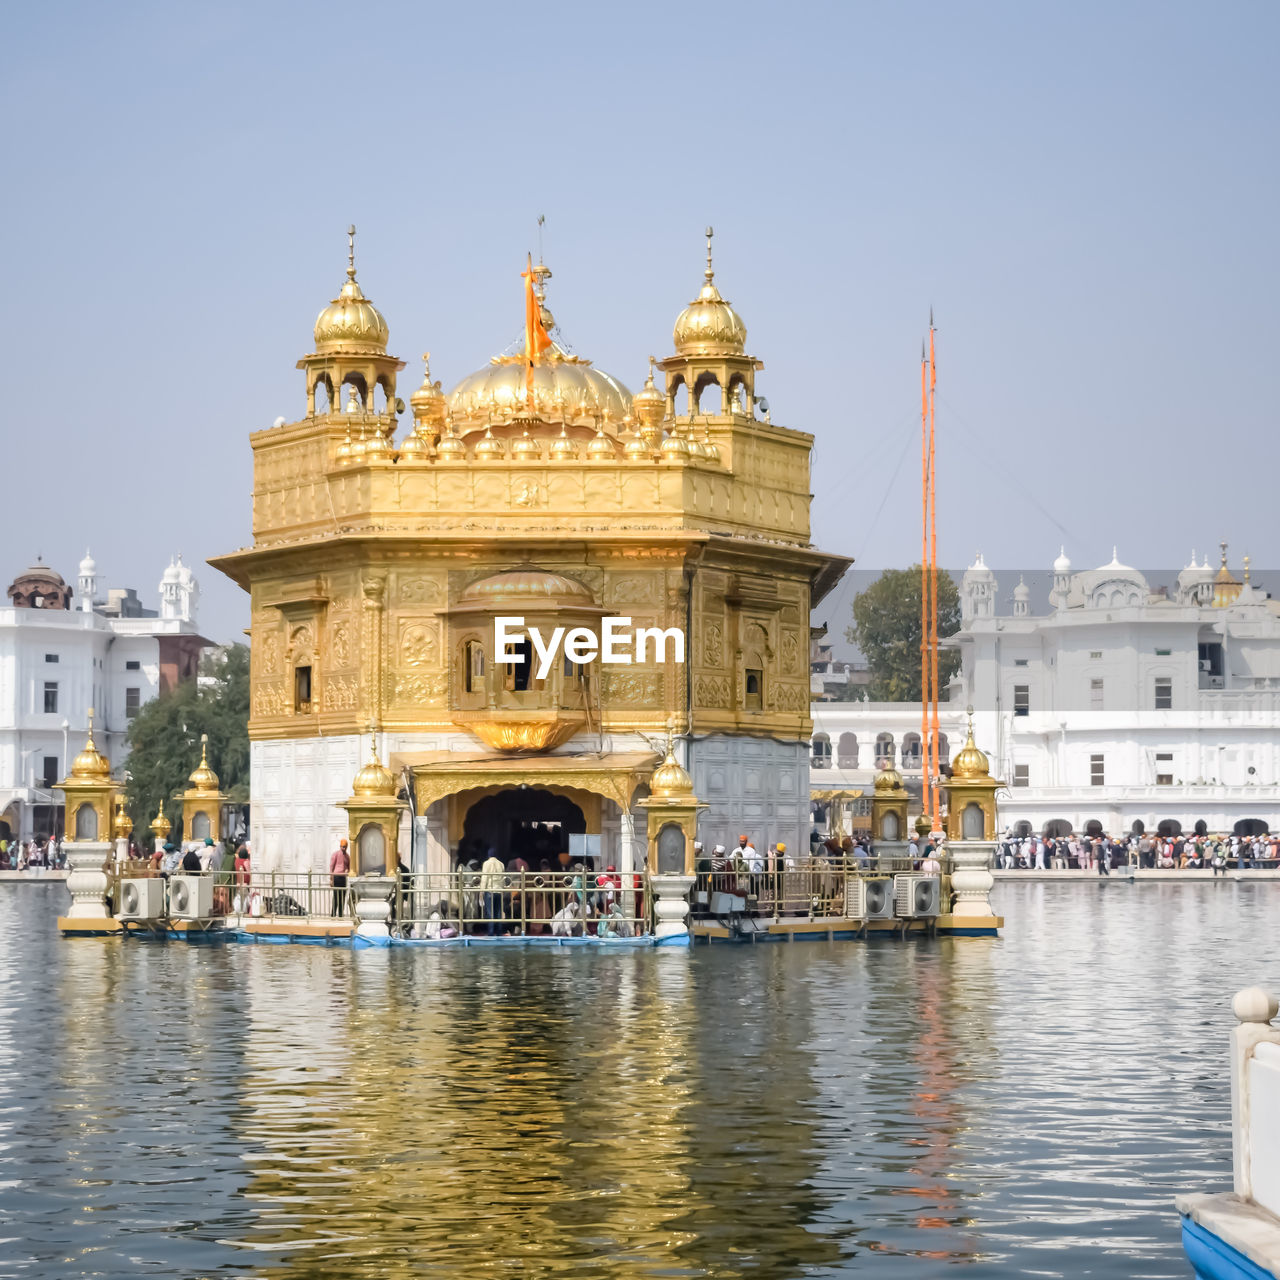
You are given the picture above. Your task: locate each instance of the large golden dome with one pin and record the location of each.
(567, 388)
(90, 764)
(351, 323)
(888, 779)
(670, 778)
(709, 326)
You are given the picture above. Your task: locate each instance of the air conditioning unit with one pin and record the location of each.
(868, 899)
(727, 904)
(917, 897)
(1216, 682)
(141, 899)
(191, 897)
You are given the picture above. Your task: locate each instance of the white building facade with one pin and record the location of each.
(64, 650)
(1119, 704)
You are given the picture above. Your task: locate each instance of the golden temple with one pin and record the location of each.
(539, 487)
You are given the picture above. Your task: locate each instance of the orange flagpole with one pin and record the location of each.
(924, 568)
(933, 566)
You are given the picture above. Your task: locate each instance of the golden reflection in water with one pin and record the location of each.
(410, 1111)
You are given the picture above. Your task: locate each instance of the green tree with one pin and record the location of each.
(164, 738)
(886, 628)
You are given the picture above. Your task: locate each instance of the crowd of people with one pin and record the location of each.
(41, 853)
(1103, 853)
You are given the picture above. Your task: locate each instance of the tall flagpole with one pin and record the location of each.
(924, 569)
(933, 575)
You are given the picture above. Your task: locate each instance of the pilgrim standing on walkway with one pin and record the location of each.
(492, 874)
(339, 867)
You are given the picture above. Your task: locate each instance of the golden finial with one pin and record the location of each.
(1246, 568)
(351, 252)
(1223, 545)
(709, 273)
(90, 743)
(426, 365)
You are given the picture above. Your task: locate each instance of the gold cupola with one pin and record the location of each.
(374, 779)
(650, 407)
(526, 447)
(970, 763)
(202, 777)
(971, 793)
(428, 402)
(351, 323)
(670, 778)
(90, 765)
(709, 325)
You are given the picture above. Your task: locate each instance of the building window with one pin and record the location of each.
(132, 701)
(1095, 654)
(1095, 695)
(133, 665)
(51, 657)
(1164, 693)
(1097, 771)
(473, 666)
(754, 689)
(302, 689)
(50, 697)
(1164, 759)
(50, 778)
(1019, 662)
(1164, 653)
(1021, 700)
(1021, 775)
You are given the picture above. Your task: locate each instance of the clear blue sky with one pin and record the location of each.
(1086, 193)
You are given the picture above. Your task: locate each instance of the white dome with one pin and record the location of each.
(1115, 566)
(171, 574)
(1062, 564)
(1022, 591)
(978, 569)
(88, 567)
(185, 576)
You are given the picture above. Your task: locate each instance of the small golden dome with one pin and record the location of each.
(527, 585)
(355, 451)
(377, 446)
(711, 452)
(601, 448)
(121, 821)
(90, 765)
(415, 447)
(709, 325)
(351, 323)
(428, 403)
(450, 448)
(649, 404)
(697, 451)
(160, 825)
(888, 779)
(373, 780)
(637, 447)
(490, 447)
(674, 446)
(670, 779)
(970, 762)
(564, 449)
(344, 450)
(202, 777)
(525, 446)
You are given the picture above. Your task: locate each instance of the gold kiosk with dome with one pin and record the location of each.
(90, 792)
(202, 801)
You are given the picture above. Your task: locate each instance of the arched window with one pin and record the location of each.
(372, 848)
(739, 396)
(911, 753)
(884, 750)
(821, 751)
(889, 828)
(679, 398)
(200, 827)
(671, 850)
(847, 751)
(972, 821)
(709, 398)
(86, 822)
(944, 750)
(472, 666)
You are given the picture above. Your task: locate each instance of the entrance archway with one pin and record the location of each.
(1250, 827)
(522, 822)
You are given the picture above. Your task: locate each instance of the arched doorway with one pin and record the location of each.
(1093, 828)
(1022, 829)
(523, 822)
(1169, 828)
(1250, 827)
(1056, 828)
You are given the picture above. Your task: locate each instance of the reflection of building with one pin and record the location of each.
(64, 650)
(1118, 703)
(545, 490)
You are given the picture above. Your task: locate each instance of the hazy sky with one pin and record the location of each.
(1086, 193)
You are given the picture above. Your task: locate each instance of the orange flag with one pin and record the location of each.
(536, 339)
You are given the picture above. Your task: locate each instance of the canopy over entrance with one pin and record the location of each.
(529, 823)
(615, 776)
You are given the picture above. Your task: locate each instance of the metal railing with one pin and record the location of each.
(816, 887)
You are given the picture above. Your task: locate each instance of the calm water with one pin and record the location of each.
(1027, 1106)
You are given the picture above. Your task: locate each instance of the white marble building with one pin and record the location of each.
(1117, 703)
(64, 650)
